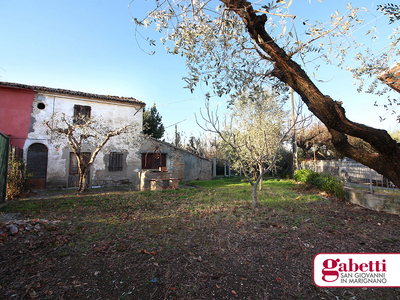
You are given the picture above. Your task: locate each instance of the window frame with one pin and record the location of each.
(81, 114)
(149, 161)
(115, 161)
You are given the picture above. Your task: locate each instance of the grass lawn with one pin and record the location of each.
(196, 243)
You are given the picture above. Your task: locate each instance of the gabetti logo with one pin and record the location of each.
(357, 269)
(330, 273)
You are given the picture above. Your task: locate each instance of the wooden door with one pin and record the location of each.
(37, 165)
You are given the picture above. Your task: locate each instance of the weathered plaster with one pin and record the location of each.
(115, 114)
(180, 163)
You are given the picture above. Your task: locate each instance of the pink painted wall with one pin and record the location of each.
(15, 113)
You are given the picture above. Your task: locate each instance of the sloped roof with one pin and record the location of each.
(392, 77)
(73, 93)
(173, 146)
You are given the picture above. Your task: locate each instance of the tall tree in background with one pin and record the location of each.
(194, 145)
(315, 141)
(152, 125)
(237, 43)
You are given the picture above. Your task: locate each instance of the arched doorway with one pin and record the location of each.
(37, 165)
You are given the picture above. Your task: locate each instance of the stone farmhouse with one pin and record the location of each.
(149, 164)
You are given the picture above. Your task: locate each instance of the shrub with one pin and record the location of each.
(325, 182)
(315, 179)
(17, 179)
(332, 186)
(301, 175)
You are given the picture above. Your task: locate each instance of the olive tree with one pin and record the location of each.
(254, 129)
(236, 43)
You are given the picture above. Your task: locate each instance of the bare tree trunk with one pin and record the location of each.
(75, 142)
(255, 199)
(254, 187)
(261, 174)
(84, 179)
(386, 157)
(255, 173)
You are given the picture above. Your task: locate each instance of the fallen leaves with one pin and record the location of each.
(147, 252)
(242, 259)
(30, 290)
(199, 259)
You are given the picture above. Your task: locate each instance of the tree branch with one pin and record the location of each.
(330, 112)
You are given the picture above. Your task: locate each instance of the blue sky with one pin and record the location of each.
(90, 46)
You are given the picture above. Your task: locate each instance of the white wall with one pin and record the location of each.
(115, 114)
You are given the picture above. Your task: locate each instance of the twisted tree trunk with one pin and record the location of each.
(385, 161)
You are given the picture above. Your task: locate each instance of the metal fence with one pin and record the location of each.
(351, 172)
(4, 148)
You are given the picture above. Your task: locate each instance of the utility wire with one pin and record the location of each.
(181, 101)
(195, 114)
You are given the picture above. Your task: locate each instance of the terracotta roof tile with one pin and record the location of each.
(74, 93)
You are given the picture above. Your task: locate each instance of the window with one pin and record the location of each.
(81, 114)
(154, 160)
(115, 162)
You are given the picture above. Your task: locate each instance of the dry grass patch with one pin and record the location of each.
(200, 243)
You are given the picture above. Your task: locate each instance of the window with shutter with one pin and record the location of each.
(81, 114)
(154, 161)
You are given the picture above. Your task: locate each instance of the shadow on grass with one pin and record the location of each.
(192, 243)
(217, 195)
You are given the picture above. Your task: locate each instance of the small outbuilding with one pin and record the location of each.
(164, 164)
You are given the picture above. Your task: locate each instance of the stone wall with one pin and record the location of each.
(147, 175)
(180, 163)
(359, 179)
(379, 202)
(346, 169)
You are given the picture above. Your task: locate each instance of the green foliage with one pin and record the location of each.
(391, 10)
(17, 179)
(206, 34)
(325, 182)
(221, 182)
(219, 51)
(256, 129)
(152, 125)
(332, 186)
(194, 145)
(284, 163)
(150, 232)
(301, 175)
